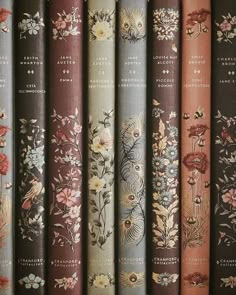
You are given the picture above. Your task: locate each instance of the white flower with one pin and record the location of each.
(96, 184)
(74, 212)
(172, 115)
(32, 281)
(102, 30)
(103, 142)
(101, 281)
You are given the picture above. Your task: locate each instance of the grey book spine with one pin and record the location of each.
(131, 103)
(6, 147)
(101, 104)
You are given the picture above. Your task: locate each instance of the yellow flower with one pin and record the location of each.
(96, 184)
(101, 281)
(102, 30)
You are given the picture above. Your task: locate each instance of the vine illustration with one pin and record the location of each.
(196, 161)
(101, 178)
(31, 188)
(165, 165)
(66, 186)
(132, 146)
(226, 29)
(225, 207)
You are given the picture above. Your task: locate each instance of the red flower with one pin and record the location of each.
(3, 130)
(4, 283)
(197, 130)
(198, 16)
(4, 164)
(197, 160)
(4, 14)
(196, 279)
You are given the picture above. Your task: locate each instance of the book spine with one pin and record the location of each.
(195, 148)
(132, 46)
(101, 182)
(165, 94)
(65, 149)
(6, 147)
(30, 142)
(223, 149)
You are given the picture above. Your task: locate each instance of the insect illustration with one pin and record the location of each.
(199, 114)
(132, 25)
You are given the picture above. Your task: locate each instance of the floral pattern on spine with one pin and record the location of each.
(164, 279)
(132, 26)
(67, 183)
(4, 14)
(132, 173)
(6, 192)
(31, 188)
(66, 24)
(196, 280)
(30, 25)
(225, 208)
(132, 279)
(101, 25)
(101, 178)
(196, 23)
(101, 281)
(228, 282)
(196, 161)
(226, 29)
(32, 282)
(165, 23)
(165, 165)
(67, 283)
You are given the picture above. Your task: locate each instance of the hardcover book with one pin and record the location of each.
(223, 271)
(165, 94)
(30, 68)
(101, 107)
(6, 147)
(132, 46)
(65, 148)
(195, 148)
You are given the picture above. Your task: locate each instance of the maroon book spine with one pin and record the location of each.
(65, 148)
(30, 96)
(165, 94)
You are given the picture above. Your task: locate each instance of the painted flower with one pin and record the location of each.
(158, 184)
(230, 197)
(3, 130)
(32, 281)
(165, 199)
(197, 130)
(102, 30)
(198, 16)
(229, 282)
(171, 171)
(77, 128)
(34, 158)
(74, 212)
(156, 112)
(196, 160)
(60, 24)
(103, 142)
(34, 28)
(171, 153)
(96, 184)
(164, 279)
(173, 131)
(225, 26)
(4, 164)
(4, 13)
(101, 281)
(4, 283)
(196, 279)
(67, 283)
(157, 163)
(67, 197)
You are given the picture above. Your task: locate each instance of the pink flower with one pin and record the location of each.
(67, 197)
(60, 24)
(230, 197)
(225, 26)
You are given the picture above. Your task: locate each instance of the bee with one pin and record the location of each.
(199, 114)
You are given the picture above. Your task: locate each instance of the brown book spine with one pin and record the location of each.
(65, 148)
(223, 272)
(165, 94)
(6, 148)
(195, 149)
(30, 95)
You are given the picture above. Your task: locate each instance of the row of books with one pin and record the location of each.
(118, 147)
